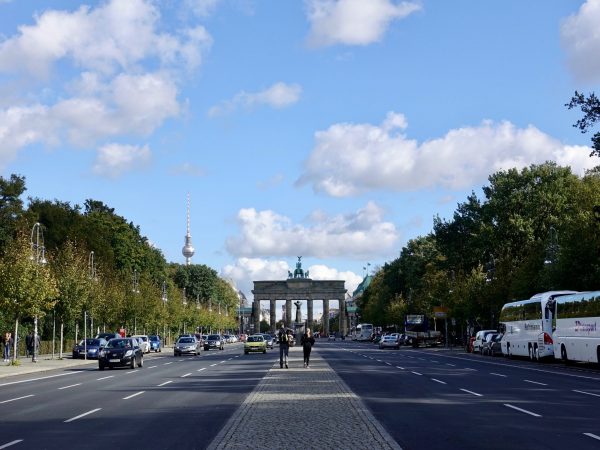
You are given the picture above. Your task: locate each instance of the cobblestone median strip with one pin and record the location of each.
(300, 408)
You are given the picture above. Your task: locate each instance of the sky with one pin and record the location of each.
(335, 130)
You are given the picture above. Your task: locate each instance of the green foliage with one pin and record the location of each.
(590, 107)
(11, 207)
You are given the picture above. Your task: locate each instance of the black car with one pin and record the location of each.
(92, 346)
(120, 352)
(214, 341)
(107, 336)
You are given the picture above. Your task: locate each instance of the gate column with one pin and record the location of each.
(256, 313)
(325, 319)
(288, 313)
(272, 316)
(309, 313)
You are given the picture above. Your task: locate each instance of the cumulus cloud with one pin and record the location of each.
(115, 159)
(202, 8)
(349, 159)
(279, 95)
(353, 22)
(124, 74)
(580, 36)
(359, 235)
(244, 271)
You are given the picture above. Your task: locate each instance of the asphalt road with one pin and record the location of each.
(435, 399)
(169, 403)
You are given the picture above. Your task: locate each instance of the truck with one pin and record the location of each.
(417, 331)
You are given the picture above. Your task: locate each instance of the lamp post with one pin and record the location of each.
(38, 255)
(136, 290)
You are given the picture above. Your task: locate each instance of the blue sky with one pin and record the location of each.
(331, 129)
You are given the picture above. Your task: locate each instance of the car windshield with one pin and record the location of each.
(143, 338)
(187, 340)
(92, 342)
(119, 343)
(255, 339)
(214, 337)
(153, 338)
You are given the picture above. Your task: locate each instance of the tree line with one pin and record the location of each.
(60, 263)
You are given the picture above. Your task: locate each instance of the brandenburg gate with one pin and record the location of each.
(299, 286)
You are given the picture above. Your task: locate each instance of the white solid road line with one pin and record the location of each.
(165, 383)
(200, 370)
(522, 410)
(104, 378)
(70, 386)
(389, 364)
(213, 365)
(151, 367)
(133, 395)
(438, 381)
(497, 374)
(40, 378)
(593, 436)
(186, 375)
(82, 415)
(416, 373)
(166, 364)
(398, 367)
(535, 382)
(471, 392)
(9, 444)
(15, 399)
(586, 393)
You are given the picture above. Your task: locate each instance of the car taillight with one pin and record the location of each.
(548, 339)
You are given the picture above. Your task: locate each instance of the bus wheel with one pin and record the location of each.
(598, 355)
(563, 354)
(508, 355)
(530, 352)
(536, 355)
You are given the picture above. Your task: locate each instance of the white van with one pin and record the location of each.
(480, 338)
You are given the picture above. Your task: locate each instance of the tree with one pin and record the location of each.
(27, 288)
(590, 107)
(11, 207)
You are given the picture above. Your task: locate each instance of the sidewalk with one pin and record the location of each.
(300, 408)
(43, 364)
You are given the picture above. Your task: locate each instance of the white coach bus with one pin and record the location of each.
(527, 326)
(577, 335)
(364, 331)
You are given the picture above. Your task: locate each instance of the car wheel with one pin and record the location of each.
(132, 365)
(141, 363)
(101, 366)
(245, 352)
(264, 351)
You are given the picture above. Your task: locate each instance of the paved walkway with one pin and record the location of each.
(43, 364)
(300, 408)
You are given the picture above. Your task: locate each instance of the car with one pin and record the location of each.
(227, 338)
(144, 342)
(186, 346)
(491, 346)
(155, 343)
(200, 339)
(255, 343)
(332, 337)
(479, 338)
(107, 336)
(120, 352)
(92, 346)
(269, 340)
(389, 342)
(214, 341)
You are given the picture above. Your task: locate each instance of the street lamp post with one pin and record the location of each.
(38, 255)
(136, 290)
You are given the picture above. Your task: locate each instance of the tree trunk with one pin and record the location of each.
(15, 339)
(62, 328)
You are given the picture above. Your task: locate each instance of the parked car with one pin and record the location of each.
(187, 346)
(200, 339)
(214, 341)
(155, 343)
(92, 346)
(389, 342)
(479, 338)
(491, 346)
(107, 336)
(144, 342)
(269, 340)
(121, 352)
(255, 343)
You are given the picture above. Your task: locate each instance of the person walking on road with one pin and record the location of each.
(8, 342)
(284, 347)
(307, 341)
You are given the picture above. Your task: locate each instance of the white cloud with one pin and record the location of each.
(188, 169)
(247, 270)
(580, 35)
(115, 159)
(349, 159)
(279, 95)
(202, 8)
(353, 22)
(359, 235)
(116, 36)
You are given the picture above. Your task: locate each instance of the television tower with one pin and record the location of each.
(188, 248)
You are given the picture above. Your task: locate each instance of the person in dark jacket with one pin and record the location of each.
(284, 347)
(307, 341)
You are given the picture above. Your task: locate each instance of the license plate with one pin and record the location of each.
(114, 360)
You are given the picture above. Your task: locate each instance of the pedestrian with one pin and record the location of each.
(8, 342)
(284, 347)
(29, 344)
(307, 341)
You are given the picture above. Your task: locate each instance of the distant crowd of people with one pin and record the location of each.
(32, 345)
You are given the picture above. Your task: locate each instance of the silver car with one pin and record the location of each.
(389, 342)
(187, 345)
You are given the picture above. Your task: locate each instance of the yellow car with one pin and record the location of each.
(255, 343)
